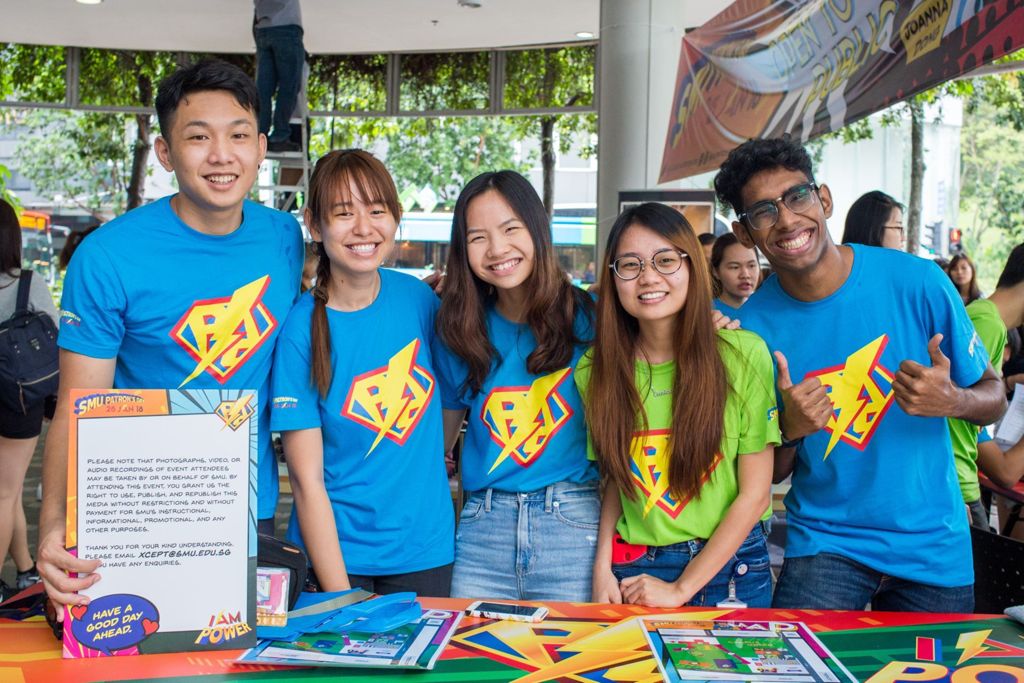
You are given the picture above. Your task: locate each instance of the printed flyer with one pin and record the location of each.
(162, 489)
(757, 651)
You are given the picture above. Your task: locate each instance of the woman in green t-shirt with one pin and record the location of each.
(682, 421)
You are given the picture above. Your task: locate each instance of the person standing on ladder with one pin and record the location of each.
(280, 55)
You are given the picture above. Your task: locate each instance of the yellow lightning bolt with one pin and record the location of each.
(846, 388)
(235, 409)
(392, 390)
(656, 486)
(972, 644)
(621, 650)
(531, 406)
(223, 330)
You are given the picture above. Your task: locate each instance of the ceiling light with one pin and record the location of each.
(584, 35)
(88, 2)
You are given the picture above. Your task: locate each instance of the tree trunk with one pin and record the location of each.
(140, 154)
(547, 162)
(916, 176)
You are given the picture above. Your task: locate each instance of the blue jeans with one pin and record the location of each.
(527, 546)
(830, 581)
(750, 568)
(279, 59)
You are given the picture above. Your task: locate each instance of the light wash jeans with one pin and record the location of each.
(527, 546)
(749, 569)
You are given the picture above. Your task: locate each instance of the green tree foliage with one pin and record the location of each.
(444, 81)
(446, 153)
(991, 188)
(5, 193)
(83, 156)
(552, 78)
(32, 73)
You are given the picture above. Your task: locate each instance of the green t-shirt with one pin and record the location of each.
(964, 434)
(751, 423)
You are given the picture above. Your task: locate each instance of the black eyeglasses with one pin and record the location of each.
(765, 214)
(665, 261)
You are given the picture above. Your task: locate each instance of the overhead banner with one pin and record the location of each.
(764, 68)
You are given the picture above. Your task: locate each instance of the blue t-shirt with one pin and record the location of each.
(983, 435)
(876, 485)
(726, 309)
(181, 309)
(381, 422)
(524, 431)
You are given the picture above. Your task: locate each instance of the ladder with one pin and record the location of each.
(290, 171)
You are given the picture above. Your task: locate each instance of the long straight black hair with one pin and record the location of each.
(553, 302)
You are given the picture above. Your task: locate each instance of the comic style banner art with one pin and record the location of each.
(764, 68)
(588, 643)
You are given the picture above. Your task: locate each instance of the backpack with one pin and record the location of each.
(28, 354)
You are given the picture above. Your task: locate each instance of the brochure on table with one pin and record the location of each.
(416, 645)
(756, 651)
(162, 489)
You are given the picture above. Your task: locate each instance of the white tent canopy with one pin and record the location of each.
(331, 26)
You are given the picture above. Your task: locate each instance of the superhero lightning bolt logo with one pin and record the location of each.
(392, 399)
(861, 392)
(236, 413)
(222, 334)
(650, 471)
(522, 420)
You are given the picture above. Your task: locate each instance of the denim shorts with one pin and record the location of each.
(527, 546)
(749, 568)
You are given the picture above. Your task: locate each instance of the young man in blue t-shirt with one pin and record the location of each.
(881, 351)
(187, 292)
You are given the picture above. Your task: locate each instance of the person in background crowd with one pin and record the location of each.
(363, 439)
(707, 241)
(514, 328)
(309, 266)
(874, 351)
(683, 423)
(875, 220)
(280, 57)
(129, 325)
(992, 317)
(19, 431)
(964, 275)
(736, 273)
(73, 242)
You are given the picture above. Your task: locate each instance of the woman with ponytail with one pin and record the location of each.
(356, 400)
(682, 422)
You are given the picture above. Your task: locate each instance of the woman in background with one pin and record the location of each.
(875, 219)
(736, 273)
(965, 276)
(19, 431)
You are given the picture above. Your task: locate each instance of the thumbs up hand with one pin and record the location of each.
(927, 391)
(806, 407)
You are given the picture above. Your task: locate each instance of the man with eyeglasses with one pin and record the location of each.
(881, 350)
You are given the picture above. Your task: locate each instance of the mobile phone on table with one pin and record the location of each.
(506, 610)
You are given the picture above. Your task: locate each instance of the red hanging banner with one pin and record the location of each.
(763, 68)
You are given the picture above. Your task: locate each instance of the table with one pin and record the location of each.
(579, 642)
(1016, 495)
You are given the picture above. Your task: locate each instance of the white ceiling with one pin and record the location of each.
(331, 26)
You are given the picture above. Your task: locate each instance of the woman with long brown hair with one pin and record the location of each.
(355, 399)
(964, 275)
(682, 421)
(515, 328)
